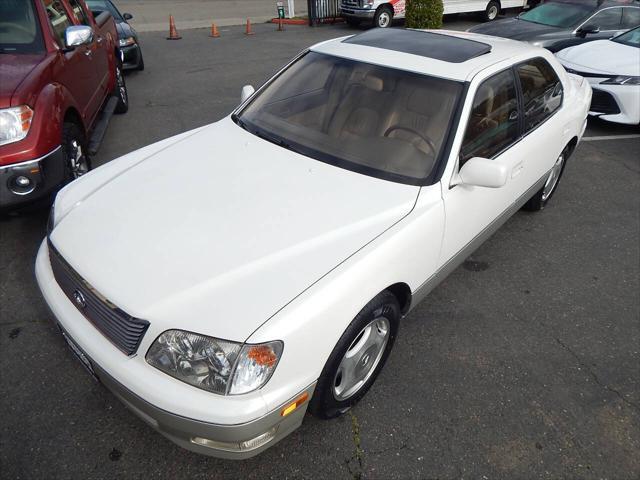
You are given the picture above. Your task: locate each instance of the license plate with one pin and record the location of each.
(79, 355)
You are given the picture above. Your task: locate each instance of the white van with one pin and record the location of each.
(382, 12)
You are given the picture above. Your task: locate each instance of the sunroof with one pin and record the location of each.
(426, 44)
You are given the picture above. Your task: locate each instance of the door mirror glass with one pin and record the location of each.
(247, 91)
(482, 172)
(127, 16)
(588, 29)
(77, 35)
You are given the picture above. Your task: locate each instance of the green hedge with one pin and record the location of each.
(424, 13)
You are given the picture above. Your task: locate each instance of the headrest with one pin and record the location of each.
(424, 102)
(373, 82)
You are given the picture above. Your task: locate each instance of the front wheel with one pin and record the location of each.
(492, 11)
(77, 161)
(540, 199)
(120, 91)
(383, 17)
(357, 358)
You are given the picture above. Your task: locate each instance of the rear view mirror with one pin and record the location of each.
(247, 91)
(77, 35)
(587, 29)
(482, 172)
(127, 16)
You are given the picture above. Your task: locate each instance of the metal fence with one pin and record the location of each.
(322, 11)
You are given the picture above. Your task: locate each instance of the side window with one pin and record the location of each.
(493, 124)
(607, 19)
(630, 17)
(58, 18)
(78, 12)
(541, 91)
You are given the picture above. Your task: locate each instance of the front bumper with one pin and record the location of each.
(616, 103)
(222, 439)
(44, 174)
(360, 13)
(131, 57)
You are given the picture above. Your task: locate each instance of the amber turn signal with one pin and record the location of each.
(295, 404)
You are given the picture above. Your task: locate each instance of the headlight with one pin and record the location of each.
(622, 80)
(125, 42)
(14, 123)
(215, 365)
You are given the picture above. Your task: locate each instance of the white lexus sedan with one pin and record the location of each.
(226, 280)
(612, 68)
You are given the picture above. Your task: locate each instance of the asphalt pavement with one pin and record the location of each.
(524, 363)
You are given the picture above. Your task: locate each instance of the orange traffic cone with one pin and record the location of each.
(248, 29)
(173, 32)
(214, 31)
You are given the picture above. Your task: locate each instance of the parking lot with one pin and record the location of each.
(524, 363)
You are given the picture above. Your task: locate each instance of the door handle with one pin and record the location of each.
(517, 169)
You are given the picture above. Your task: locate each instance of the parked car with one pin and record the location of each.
(560, 24)
(612, 67)
(127, 36)
(382, 12)
(61, 80)
(222, 305)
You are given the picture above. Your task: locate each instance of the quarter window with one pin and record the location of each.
(58, 18)
(630, 17)
(493, 124)
(541, 90)
(608, 19)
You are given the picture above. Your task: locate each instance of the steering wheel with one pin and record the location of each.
(418, 138)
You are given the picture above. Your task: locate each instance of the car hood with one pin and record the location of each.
(516, 29)
(125, 30)
(14, 68)
(602, 56)
(218, 231)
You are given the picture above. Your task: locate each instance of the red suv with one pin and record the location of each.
(61, 79)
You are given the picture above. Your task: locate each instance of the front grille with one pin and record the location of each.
(352, 3)
(123, 330)
(603, 102)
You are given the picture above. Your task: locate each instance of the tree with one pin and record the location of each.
(424, 13)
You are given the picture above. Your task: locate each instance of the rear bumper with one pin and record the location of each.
(44, 175)
(220, 440)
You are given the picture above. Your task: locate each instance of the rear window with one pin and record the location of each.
(19, 27)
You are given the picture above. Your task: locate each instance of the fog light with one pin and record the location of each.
(23, 181)
(245, 446)
(21, 184)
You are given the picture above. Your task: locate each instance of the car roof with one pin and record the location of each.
(441, 53)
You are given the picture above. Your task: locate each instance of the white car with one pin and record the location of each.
(225, 280)
(612, 67)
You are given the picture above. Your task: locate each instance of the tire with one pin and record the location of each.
(364, 346)
(542, 196)
(383, 17)
(120, 91)
(492, 11)
(74, 149)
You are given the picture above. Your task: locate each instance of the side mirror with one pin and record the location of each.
(127, 16)
(587, 29)
(77, 35)
(247, 91)
(482, 172)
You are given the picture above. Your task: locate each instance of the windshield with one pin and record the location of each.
(19, 28)
(379, 121)
(99, 6)
(562, 15)
(631, 38)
